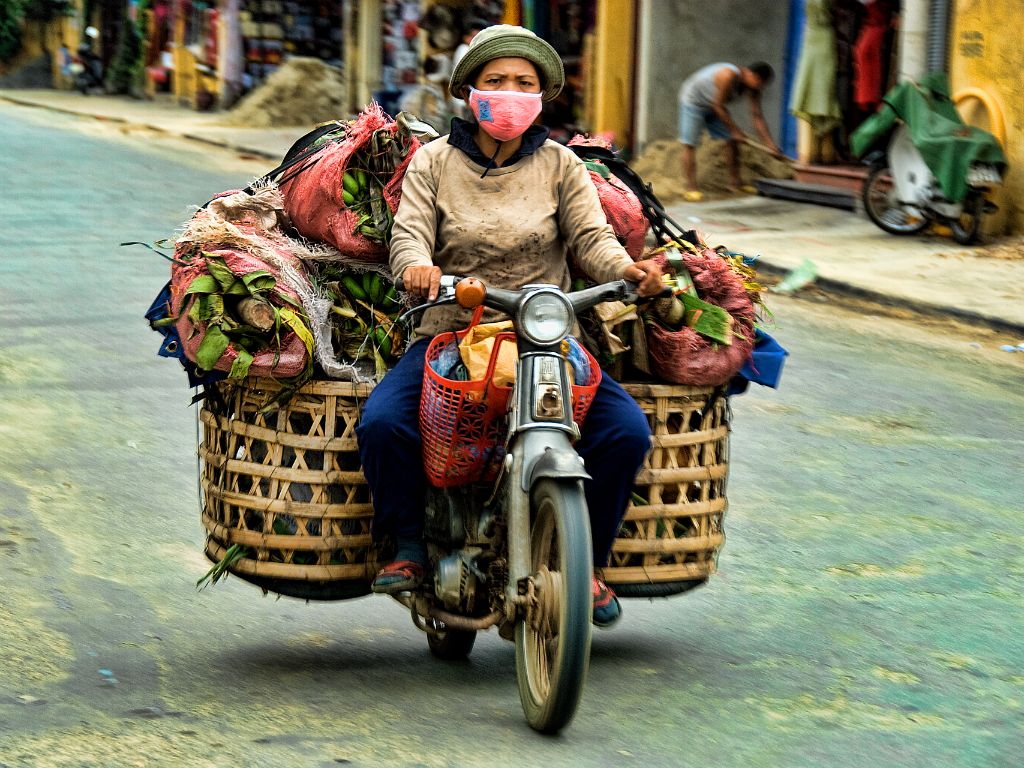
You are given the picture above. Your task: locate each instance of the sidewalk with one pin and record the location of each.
(927, 273)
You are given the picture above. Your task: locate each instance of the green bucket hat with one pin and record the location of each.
(503, 40)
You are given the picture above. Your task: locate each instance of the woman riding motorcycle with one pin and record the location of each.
(498, 200)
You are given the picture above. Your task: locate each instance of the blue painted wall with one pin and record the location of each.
(794, 42)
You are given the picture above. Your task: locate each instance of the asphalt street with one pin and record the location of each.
(867, 608)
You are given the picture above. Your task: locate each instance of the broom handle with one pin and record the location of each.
(755, 144)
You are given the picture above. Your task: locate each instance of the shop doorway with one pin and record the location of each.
(846, 63)
(274, 30)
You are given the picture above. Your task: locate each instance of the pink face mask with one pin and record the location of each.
(504, 114)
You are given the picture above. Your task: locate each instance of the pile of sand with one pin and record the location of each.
(661, 165)
(303, 91)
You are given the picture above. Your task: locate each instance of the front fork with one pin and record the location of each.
(536, 453)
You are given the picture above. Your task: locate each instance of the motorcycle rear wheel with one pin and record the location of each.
(553, 641)
(450, 644)
(881, 206)
(965, 229)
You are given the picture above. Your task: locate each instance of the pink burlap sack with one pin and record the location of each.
(313, 197)
(622, 208)
(686, 357)
(292, 357)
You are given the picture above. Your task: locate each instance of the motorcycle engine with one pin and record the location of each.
(456, 579)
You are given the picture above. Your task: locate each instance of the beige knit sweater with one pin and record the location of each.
(509, 228)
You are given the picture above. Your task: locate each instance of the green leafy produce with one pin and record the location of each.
(364, 315)
(217, 299)
(370, 169)
(221, 569)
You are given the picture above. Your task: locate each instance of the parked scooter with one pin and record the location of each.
(902, 196)
(86, 66)
(926, 164)
(517, 553)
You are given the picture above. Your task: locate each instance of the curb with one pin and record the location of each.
(903, 302)
(227, 145)
(65, 111)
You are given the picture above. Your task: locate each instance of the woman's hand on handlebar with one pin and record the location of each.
(423, 281)
(647, 275)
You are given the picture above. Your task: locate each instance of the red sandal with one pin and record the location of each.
(399, 576)
(607, 609)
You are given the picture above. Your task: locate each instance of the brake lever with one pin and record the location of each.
(405, 318)
(446, 296)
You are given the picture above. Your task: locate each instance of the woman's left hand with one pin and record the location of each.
(647, 274)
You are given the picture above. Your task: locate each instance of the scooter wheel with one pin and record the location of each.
(882, 207)
(966, 228)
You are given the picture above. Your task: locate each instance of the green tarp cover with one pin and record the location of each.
(946, 143)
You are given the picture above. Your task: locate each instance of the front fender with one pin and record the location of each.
(557, 464)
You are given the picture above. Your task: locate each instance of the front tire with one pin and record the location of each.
(884, 209)
(553, 640)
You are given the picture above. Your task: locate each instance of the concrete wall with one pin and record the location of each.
(986, 62)
(36, 65)
(680, 36)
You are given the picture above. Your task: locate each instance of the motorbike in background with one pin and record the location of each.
(902, 196)
(926, 165)
(86, 68)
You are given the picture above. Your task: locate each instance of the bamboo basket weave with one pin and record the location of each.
(288, 486)
(672, 532)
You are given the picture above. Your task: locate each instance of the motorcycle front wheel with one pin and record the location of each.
(553, 640)
(965, 229)
(884, 209)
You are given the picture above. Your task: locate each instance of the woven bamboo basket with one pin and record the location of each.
(288, 487)
(672, 532)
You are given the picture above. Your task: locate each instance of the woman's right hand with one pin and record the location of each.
(423, 281)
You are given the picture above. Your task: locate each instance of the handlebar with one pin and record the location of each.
(617, 290)
(508, 301)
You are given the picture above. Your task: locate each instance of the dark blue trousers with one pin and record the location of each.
(613, 444)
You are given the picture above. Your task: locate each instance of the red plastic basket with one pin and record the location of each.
(464, 423)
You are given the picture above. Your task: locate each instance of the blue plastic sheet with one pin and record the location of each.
(171, 345)
(764, 366)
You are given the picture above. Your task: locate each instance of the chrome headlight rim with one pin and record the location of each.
(524, 319)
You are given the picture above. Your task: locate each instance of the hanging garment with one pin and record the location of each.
(869, 64)
(846, 15)
(814, 95)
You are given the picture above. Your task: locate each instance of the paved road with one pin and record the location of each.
(867, 609)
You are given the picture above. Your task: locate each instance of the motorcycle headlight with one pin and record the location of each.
(545, 318)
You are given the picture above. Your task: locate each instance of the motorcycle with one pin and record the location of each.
(926, 165)
(86, 68)
(516, 553)
(902, 196)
